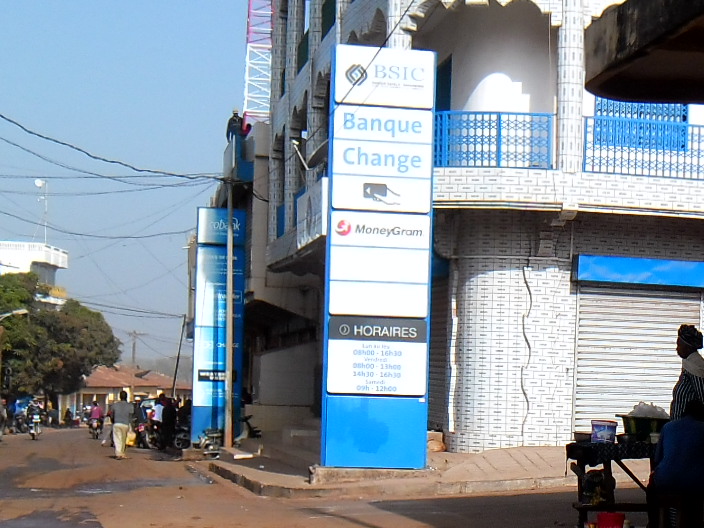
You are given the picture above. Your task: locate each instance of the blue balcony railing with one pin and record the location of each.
(492, 139)
(643, 147)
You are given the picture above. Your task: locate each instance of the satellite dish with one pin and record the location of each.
(39, 183)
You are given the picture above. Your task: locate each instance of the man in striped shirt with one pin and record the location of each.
(690, 385)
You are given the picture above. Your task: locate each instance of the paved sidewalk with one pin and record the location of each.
(284, 471)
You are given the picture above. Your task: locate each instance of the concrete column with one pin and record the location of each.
(570, 88)
(276, 191)
(398, 38)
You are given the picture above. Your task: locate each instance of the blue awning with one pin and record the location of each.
(633, 270)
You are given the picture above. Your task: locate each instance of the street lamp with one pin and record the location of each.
(19, 311)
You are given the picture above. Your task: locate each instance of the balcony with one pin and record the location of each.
(492, 139)
(640, 147)
(633, 147)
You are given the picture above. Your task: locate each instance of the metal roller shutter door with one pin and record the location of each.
(438, 361)
(626, 349)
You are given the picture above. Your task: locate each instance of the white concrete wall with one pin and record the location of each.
(286, 376)
(500, 58)
(516, 338)
(514, 353)
(553, 190)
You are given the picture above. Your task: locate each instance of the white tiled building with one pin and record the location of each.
(533, 176)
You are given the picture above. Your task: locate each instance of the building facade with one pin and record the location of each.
(556, 218)
(39, 258)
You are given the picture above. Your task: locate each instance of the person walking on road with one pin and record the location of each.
(121, 414)
(3, 416)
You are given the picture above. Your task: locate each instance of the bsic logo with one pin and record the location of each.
(356, 74)
(343, 228)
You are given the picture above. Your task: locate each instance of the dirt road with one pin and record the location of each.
(67, 480)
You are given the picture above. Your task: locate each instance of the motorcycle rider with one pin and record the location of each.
(156, 417)
(96, 413)
(33, 408)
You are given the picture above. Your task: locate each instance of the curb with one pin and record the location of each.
(412, 486)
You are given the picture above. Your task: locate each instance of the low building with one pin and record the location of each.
(105, 383)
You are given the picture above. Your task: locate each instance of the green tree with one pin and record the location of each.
(52, 350)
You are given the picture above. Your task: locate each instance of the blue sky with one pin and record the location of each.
(149, 84)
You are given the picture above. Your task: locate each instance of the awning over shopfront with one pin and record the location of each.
(647, 50)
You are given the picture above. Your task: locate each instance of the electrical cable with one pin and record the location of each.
(92, 156)
(91, 235)
(134, 310)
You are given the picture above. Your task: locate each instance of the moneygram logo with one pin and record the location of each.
(356, 74)
(343, 228)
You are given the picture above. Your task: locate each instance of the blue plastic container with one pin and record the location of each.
(604, 431)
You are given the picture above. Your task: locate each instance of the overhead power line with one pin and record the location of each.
(91, 235)
(90, 155)
(132, 310)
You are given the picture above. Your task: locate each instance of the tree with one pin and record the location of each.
(52, 350)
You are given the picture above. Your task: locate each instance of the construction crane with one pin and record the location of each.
(257, 91)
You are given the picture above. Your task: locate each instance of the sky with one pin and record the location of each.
(142, 85)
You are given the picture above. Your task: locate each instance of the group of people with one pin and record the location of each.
(678, 464)
(162, 417)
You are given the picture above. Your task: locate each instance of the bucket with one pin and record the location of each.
(610, 520)
(603, 431)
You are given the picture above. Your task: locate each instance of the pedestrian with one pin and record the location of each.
(156, 418)
(183, 416)
(168, 422)
(678, 466)
(234, 126)
(3, 416)
(121, 413)
(68, 417)
(690, 385)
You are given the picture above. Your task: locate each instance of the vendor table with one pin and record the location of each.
(594, 454)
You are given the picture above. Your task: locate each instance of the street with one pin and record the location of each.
(66, 479)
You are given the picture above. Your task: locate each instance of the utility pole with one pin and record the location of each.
(134, 335)
(229, 333)
(178, 356)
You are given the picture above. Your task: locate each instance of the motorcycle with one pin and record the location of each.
(145, 436)
(20, 425)
(248, 431)
(35, 426)
(182, 437)
(95, 427)
(210, 442)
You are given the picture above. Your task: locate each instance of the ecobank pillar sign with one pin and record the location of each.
(209, 337)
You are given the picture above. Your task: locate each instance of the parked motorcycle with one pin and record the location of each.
(146, 437)
(248, 430)
(210, 442)
(35, 425)
(182, 437)
(20, 425)
(95, 427)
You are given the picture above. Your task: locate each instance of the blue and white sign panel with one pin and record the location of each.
(387, 77)
(378, 254)
(382, 159)
(379, 264)
(382, 356)
(212, 226)
(209, 338)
